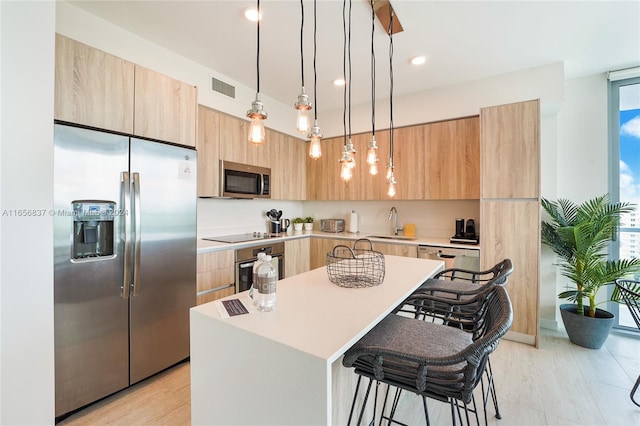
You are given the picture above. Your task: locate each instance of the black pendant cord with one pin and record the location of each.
(301, 41)
(344, 71)
(258, 51)
(349, 57)
(315, 75)
(373, 73)
(391, 82)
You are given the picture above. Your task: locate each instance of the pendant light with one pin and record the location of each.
(257, 114)
(372, 149)
(303, 105)
(315, 149)
(347, 159)
(391, 180)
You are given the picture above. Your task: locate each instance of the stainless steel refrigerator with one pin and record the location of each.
(125, 261)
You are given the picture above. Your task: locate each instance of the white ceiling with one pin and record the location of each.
(463, 41)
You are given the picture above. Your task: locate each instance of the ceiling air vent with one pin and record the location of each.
(222, 87)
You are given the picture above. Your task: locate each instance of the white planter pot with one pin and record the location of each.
(308, 226)
(297, 226)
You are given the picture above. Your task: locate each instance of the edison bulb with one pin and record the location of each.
(315, 149)
(256, 131)
(391, 192)
(345, 171)
(372, 155)
(303, 123)
(373, 169)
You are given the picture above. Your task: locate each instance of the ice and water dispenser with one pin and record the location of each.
(93, 229)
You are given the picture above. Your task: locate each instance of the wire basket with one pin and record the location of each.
(355, 267)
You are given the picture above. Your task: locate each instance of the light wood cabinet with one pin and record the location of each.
(453, 159)
(297, 256)
(323, 174)
(511, 229)
(234, 145)
(409, 162)
(405, 250)
(93, 88)
(436, 161)
(96, 89)
(215, 275)
(288, 168)
(510, 206)
(165, 108)
(319, 247)
(221, 136)
(510, 164)
(363, 185)
(208, 146)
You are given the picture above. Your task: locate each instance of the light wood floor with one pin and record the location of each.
(558, 384)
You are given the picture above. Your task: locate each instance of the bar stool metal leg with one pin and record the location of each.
(633, 391)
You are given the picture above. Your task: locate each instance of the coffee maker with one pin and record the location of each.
(465, 233)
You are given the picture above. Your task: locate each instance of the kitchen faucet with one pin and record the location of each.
(393, 212)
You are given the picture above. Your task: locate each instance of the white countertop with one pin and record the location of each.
(207, 246)
(284, 367)
(322, 319)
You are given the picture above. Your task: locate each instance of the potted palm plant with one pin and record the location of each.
(580, 235)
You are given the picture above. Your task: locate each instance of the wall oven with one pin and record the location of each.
(246, 257)
(239, 180)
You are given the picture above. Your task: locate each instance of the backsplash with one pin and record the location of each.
(432, 218)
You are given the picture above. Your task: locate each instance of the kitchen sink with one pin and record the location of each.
(392, 237)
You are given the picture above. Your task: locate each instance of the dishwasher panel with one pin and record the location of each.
(468, 259)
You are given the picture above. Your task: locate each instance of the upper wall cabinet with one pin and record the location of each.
(288, 169)
(165, 108)
(100, 90)
(235, 146)
(511, 150)
(453, 159)
(409, 162)
(436, 161)
(221, 136)
(93, 88)
(208, 146)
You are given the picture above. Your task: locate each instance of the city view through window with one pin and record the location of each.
(629, 142)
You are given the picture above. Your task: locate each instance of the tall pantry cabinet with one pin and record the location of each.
(510, 206)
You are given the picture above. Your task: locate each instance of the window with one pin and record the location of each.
(624, 124)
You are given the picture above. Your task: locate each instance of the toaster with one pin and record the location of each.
(332, 225)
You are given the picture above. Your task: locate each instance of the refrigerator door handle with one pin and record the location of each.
(126, 195)
(137, 233)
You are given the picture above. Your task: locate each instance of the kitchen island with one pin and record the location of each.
(284, 367)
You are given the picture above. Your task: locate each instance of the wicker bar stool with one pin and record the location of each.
(459, 284)
(630, 293)
(433, 360)
(463, 280)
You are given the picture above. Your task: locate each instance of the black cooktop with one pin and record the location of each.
(240, 238)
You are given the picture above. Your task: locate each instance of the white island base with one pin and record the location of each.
(285, 367)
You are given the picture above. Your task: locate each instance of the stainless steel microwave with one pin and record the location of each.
(239, 180)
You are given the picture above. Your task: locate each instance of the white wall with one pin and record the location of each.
(26, 248)
(582, 158)
(582, 166)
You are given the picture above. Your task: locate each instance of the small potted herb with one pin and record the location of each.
(297, 223)
(308, 223)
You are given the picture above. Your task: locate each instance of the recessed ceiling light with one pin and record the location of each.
(339, 82)
(252, 14)
(418, 60)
